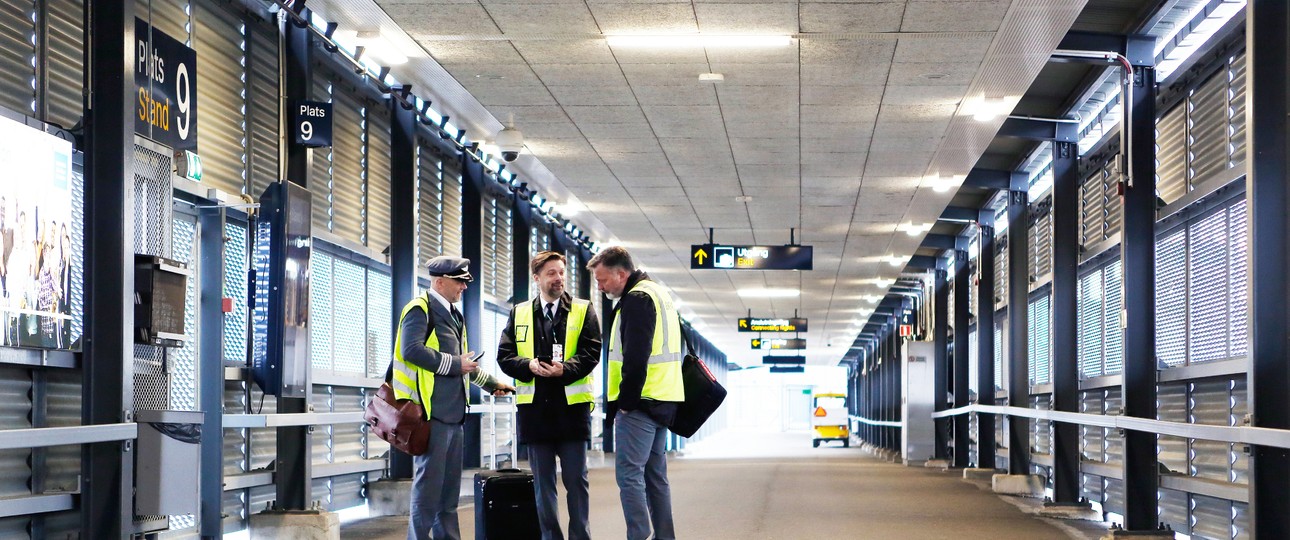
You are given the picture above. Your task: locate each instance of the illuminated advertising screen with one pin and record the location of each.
(36, 252)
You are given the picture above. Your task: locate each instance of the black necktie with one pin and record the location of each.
(550, 311)
(456, 318)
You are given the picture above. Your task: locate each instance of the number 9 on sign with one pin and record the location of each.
(306, 130)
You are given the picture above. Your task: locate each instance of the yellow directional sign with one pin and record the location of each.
(743, 323)
(699, 255)
(756, 343)
(754, 324)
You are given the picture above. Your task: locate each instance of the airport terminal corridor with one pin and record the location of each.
(749, 484)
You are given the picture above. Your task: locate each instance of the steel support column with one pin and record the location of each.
(940, 359)
(1138, 253)
(1268, 193)
(294, 465)
(1066, 487)
(1018, 330)
(962, 423)
(473, 180)
(107, 469)
(522, 230)
(211, 369)
(404, 194)
(985, 438)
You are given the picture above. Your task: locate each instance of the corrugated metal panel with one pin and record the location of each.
(1092, 209)
(1236, 107)
(379, 339)
(1114, 439)
(1240, 406)
(347, 439)
(998, 357)
(235, 511)
(63, 392)
(1173, 510)
(347, 166)
(1207, 132)
(347, 491)
(1171, 154)
(452, 206)
(264, 107)
(17, 64)
(1114, 496)
(1171, 298)
(1239, 280)
(14, 527)
(320, 174)
(322, 309)
(1088, 324)
(1041, 434)
(349, 338)
(1211, 405)
(378, 177)
(1040, 343)
(1211, 518)
(1111, 199)
(1207, 293)
(498, 242)
(1000, 272)
(15, 413)
(1092, 439)
(1042, 241)
(221, 69)
(264, 442)
(1172, 451)
(64, 59)
(1240, 521)
(169, 16)
(321, 448)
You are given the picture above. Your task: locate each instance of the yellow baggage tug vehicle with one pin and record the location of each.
(830, 419)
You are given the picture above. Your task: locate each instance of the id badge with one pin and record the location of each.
(557, 352)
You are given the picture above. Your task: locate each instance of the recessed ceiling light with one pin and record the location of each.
(897, 260)
(768, 293)
(743, 198)
(943, 183)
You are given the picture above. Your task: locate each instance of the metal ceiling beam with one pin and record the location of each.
(1140, 50)
(960, 214)
(940, 241)
(1039, 130)
(988, 179)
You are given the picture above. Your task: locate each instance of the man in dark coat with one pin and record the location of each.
(550, 346)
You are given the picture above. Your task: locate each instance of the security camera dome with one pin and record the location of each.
(510, 142)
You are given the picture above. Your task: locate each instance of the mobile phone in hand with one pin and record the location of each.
(545, 360)
(475, 357)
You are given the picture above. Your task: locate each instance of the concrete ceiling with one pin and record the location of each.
(831, 135)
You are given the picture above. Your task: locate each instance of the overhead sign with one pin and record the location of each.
(790, 344)
(771, 359)
(756, 343)
(788, 369)
(165, 79)
(311, 123)
(754, 324)
(725, 257)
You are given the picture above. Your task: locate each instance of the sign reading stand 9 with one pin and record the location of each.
(311, 123)
(165, 79)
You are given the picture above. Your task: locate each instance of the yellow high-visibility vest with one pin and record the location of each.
(579, 391)
(663, 375)
(410, 381)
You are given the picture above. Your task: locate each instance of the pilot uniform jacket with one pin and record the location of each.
(550, 419)
(448, 404)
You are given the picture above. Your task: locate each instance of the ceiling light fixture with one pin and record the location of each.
(914, 229)
(711, 77)
(985, 109)
(943, 183)
(883, 283)
(680, 41)
(897, 260)
(872, 298)
(374, 43)
(743, 198)
(768, 293)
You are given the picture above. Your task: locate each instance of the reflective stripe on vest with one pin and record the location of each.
(412, 382)
(579, 391)
(663, 374)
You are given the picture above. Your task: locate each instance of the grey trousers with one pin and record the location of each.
(573, 463)
(436, 485)
(640, 461)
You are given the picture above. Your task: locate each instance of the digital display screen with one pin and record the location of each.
(36, 229)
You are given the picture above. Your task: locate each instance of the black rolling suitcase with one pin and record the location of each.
(505, 505)
(703, 395)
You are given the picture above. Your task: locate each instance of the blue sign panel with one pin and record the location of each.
(311, 123)
(165, 79)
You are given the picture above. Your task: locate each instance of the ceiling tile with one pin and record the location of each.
(664, 74)
(420, 20)
(593, 95)
(644, 19)
(865, 17)
(493, 94)
(580, 74)
(540, 18)
(749, 18)
(572, 51)
(955, 16)
(463, 52)
(696, 94)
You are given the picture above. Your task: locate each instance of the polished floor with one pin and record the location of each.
(744, 485)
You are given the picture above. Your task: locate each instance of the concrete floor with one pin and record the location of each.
(744, 486)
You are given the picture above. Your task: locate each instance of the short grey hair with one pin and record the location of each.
(613, 257)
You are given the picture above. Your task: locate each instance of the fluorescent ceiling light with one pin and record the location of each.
(914, 229)
(872, 298)
(375, 46)
(984, 109)
(897, 260)
(769, 293)
(941, 184)
(678, 41)
(884, 282)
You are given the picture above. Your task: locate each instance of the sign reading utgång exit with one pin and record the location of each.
(728, 257)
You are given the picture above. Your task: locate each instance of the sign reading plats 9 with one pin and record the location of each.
(165, 79)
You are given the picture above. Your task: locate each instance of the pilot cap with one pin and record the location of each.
(450, 267)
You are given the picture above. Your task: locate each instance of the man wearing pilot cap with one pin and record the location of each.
(433, 366)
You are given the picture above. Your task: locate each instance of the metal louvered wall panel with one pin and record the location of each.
(1041, 239)
(430, 211)
(236, 324)
(64, 59)
(1171, 154)
(1092, 209)
(1236, 108)
(1092, 439)
(169, 16)
(264, 107)
(1001, 272)
(452, 206)
(1040, 342)
(1207, 134)
(498, 241)
(349, 339)
(347, 166)
(1088, 324)
(17, 64)
(1207, 296)
(221, 68)
(378, 177)
(1239, 276)
(63, 392)
(182, 361)
(1172, 451)
(15, 413)
(1113, 348)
